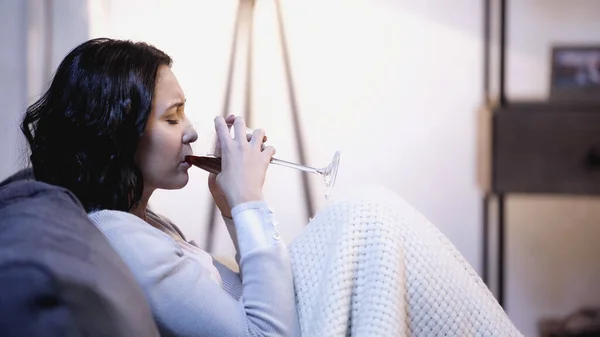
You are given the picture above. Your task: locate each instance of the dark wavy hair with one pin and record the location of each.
(84, 131)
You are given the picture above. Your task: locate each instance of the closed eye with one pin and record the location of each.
(172, 121)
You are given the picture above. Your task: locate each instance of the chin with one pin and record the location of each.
(176, 182)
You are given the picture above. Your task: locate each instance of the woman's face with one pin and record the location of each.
(166, 141)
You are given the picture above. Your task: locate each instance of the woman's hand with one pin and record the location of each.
(214, 188)
(243, 167)
(218, 196)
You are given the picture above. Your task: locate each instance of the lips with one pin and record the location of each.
(184, 156)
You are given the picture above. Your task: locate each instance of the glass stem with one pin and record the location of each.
(296, 166)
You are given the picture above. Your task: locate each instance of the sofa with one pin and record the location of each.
(59, 276)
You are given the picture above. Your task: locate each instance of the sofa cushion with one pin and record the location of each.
(52, 255)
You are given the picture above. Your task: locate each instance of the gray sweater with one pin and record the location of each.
(192, 295)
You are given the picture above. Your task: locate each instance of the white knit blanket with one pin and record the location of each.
(371, 265)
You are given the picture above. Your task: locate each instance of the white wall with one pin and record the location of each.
(13, 81)
(395, 86)
(25, 65)
(369, 75)
(365, 76)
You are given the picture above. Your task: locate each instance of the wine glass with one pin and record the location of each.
(207, 156)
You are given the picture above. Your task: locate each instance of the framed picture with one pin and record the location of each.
(575, 75)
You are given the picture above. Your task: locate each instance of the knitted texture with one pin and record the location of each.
(371, 265)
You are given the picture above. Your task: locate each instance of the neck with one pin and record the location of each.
(140, 209)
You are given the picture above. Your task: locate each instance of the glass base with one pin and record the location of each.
(330, 174)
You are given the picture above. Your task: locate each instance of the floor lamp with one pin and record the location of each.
(242, 35)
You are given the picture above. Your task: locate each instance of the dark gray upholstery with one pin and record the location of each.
(24, 174)
(58, 274)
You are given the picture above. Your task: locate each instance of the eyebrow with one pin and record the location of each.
(176, 104)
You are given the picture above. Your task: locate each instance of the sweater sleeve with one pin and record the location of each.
(258, 226)
(187, 302)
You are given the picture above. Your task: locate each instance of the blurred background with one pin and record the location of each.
(396, 86)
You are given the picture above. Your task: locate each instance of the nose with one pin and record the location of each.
(190, 135)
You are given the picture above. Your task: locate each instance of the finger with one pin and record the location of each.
(212, 180)
(240, 128)
(222, 131)
(257, 138)
(249, 137)
(269, 152)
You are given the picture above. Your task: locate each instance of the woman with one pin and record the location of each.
(112, 128)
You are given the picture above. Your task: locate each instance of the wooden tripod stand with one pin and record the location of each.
(243, 34)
